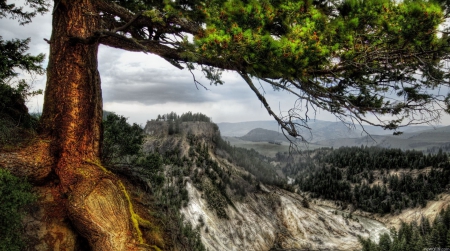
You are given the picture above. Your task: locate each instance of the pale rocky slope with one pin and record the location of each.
(267, 217)
(276, 219)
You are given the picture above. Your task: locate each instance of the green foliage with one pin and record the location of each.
(348, 175)
(153, 165)
(346, 57)
(253, 162)
(15, 122)
(189, 116)
(185, 117)
(192, 237)
(33, 7)
(120, 139)
(358, 158)
(13, 56)
(342, 55)
(415, 236)
(170, 196)
(163, 176)
(385, 242)
(12, 102)
(173, 120)
(215, 199)
(15, 193)
(211, 177)
(16, 125)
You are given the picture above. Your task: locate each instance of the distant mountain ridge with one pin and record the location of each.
(419, 140)
(239, 129)
(320, 130)
(337, 134)
(264, 135)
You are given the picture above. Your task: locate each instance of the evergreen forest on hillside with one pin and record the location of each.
(444, 147)
(209, 175)
(373, 179)
(252, 161)
(415, 236)
(174, 120)
(159, 174)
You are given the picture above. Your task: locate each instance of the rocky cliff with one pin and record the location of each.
(261, 218)
(223, 204)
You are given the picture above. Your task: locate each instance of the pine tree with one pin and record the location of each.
(342, 58)
(385, 242)
(448, 239)
(15, 122)
(434, 238)
(425, 227)
(420, 243)
(442, 230)
(171, 129)
(120, 139)
(177, 126)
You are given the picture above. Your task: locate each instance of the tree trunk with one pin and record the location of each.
(73, 103)
(96, 201)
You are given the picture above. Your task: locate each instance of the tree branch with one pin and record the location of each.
(121, 42)
(124, 27)
(288, 126)
(115, 9)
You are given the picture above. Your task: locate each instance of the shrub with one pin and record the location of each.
(16, 124)
(120, 139)
(15, 193)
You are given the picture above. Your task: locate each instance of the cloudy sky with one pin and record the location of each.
(141, 86)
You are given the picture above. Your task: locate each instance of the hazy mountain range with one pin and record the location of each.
(337, 134)
(419, 140)
(318, 128)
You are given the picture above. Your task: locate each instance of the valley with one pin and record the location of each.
(74, 177)
(262, 135)
(191, 188)
(261, 216)
(276, 216)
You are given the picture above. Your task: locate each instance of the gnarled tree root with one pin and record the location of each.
(33, 161)
(94, 201)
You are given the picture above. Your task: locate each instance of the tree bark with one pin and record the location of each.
(72, 111)
(96, 201)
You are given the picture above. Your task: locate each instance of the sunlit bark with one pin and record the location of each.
(96, 201)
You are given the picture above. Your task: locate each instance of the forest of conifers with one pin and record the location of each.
(372, 179)
(416, 236)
